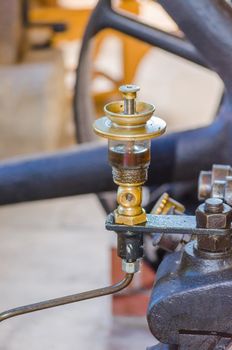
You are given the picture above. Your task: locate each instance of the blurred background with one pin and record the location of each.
(50, 248)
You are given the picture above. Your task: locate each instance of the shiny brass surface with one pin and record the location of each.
(154, 127)
(129, 211)
(129, 119)
(126, 124)
(167, 205)
(130, 220)
(115, 112)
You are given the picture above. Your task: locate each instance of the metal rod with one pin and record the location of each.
(129, 106)
(67, 299)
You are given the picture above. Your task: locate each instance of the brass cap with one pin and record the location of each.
(115, 112)
(118, 125)
(129, 91)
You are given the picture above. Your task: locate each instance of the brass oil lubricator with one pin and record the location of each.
(129, 126)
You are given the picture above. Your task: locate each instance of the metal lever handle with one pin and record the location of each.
(67, 299)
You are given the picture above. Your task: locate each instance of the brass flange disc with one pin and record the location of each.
(154, 127)
(115, 112)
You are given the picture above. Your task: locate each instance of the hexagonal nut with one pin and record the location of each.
(214, 243)
(214, 220)
(130, 267)
(130, 220)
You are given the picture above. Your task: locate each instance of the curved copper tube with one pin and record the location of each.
(47, 304)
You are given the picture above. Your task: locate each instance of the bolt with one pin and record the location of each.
(214, 214)
(129, 93)
(214, 205)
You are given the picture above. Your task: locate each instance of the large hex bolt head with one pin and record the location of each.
(213, 243)
(214, 214)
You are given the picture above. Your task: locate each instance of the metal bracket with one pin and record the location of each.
(175, 224)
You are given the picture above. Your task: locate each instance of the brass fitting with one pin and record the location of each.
(167, 205)
(129, 211)
(129, 126)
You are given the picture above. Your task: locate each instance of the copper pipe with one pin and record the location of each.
(67, 299)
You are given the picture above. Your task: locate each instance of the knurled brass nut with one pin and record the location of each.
(214, 220)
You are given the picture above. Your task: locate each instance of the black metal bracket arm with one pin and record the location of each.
(165, 224)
